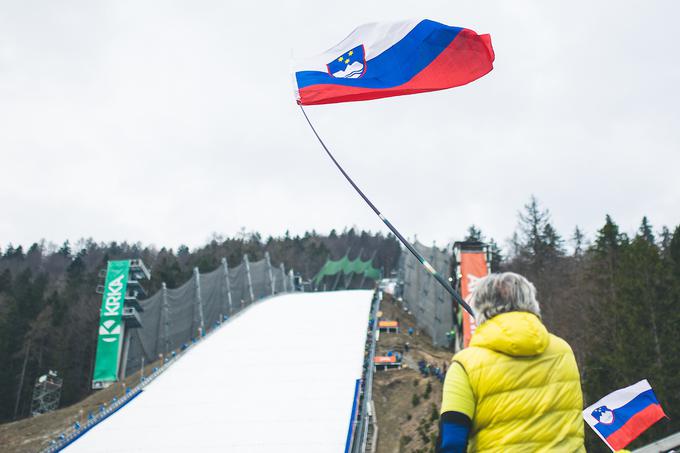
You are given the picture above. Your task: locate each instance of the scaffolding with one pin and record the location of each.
(46, 393)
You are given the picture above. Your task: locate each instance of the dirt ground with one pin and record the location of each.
(407, 403)
(34, 434)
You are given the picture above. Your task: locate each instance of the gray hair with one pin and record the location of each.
(502, 293)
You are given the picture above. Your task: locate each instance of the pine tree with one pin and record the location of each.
(474, 234)
(578, 239)
(645, 231)
(65, 249)
(496, 256)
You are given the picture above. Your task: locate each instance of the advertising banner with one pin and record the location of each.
(110, 341)
(384, 359)
(472, 268)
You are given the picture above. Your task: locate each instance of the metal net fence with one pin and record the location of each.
(431, 305)
(173, 318)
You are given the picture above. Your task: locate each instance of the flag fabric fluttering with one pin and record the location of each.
(620, 417)
(386, 59)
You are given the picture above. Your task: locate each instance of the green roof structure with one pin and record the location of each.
(347, 267)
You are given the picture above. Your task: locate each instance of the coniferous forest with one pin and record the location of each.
(615, 297)
(49, 310)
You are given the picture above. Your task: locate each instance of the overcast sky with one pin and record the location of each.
(164, 122)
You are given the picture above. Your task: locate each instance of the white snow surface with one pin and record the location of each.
(279, 377)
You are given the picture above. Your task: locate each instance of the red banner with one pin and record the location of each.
(384, 359)
(472, 268)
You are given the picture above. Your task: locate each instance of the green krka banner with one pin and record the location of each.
(110, 342)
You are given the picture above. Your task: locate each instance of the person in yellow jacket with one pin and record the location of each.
(516, 388)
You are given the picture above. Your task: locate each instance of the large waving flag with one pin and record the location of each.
(385, 59)
(623, 415)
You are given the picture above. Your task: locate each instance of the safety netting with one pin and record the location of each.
(174, 317)
(429, 302)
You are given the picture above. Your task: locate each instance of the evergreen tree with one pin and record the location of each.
(578, 239)
(65, 249)
(474, 234)
(645, 231)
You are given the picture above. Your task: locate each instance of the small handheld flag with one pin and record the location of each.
(386, 59)
(620, 417)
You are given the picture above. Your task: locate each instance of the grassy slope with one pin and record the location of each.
(33, 434)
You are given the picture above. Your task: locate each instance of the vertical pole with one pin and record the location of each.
(21, 380)
(434, 257)
(199, 302)
(166, 319)
(337, 279)
(291, 280)
(269, 270)
(159, 343)
(283, 278)
(225, 268)
(250, 280)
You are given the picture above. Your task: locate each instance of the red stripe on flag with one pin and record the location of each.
(635, 426)
(466, 59)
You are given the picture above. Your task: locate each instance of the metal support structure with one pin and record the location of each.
(166, 318)
(283, 278)
(335, 283)
(225, 268)
(127, 338)
(199, 302)
(250, 280)
(360, 437)
(46, 393)
(269, 270)
(435, 263)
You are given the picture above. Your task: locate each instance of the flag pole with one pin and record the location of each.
(428, 267)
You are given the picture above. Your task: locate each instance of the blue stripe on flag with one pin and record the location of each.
(396, 65)
(625, 412)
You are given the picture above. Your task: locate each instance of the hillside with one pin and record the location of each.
(406, 402)
(33, 434)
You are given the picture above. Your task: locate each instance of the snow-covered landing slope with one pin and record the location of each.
(280, 377)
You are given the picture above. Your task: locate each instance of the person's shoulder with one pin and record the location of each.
(471, 354)
(558, 344)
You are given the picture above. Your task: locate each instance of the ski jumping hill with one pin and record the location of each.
(280, 376)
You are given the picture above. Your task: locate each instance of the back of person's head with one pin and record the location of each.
(503, 293)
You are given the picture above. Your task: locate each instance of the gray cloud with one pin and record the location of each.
(166, 121)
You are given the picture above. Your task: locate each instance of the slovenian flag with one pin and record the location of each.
(385, 59)
(623, 415)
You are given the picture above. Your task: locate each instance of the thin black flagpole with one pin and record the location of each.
(428, 267)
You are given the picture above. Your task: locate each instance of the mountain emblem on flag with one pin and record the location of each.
(350, 65)
(603, 415)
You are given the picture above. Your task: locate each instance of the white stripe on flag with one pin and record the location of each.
(376, 37)
(616, 399)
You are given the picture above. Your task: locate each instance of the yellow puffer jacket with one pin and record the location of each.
(526, 387)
